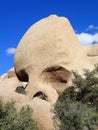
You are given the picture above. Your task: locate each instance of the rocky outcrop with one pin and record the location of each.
(46, 54)
(92, 50)
(43, 62)
(42, 110)
(92, 53)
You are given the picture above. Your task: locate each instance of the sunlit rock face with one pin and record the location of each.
(42, 110)
(46, 54)
(44, 59)
(92, 53)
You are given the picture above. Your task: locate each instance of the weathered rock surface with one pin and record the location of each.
(92, 50)
(43, 61)
(46, 55)
(42, 110)
(92, 53)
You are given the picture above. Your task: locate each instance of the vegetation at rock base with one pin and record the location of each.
(20, 89)
(77, 107)
(10, 119)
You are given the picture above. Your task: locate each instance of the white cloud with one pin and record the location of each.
(10, 51)
(87, 39)
(92, 27)
(96, 37)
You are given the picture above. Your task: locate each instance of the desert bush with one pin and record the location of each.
(87, 87)
(76, 116)
(10, 119)
(77, 107)
(21, 90)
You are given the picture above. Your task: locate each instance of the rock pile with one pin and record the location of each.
(43, 62)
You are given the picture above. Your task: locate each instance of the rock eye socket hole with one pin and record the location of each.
(22, 76)
(41, 95)
(56, 74)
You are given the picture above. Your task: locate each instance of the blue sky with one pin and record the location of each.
(16, 16)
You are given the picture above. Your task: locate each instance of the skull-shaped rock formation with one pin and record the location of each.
(44, 59)
(46, 55)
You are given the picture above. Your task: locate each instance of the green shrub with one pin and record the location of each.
(20, 89)
(76, 116)
(77, 107)
(87, 87)
(10, 119)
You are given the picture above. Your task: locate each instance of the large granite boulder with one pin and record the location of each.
(45, 56)
(43, 62)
